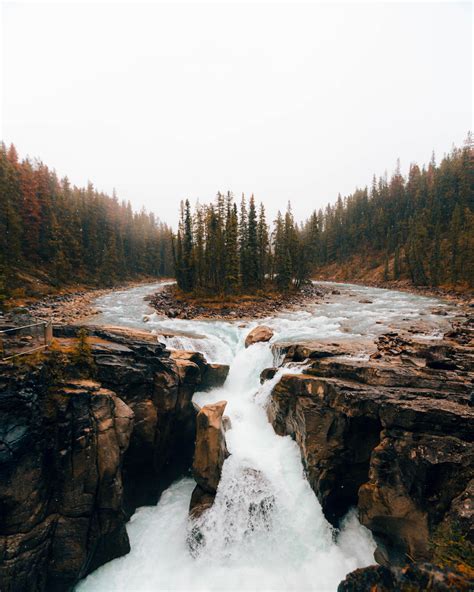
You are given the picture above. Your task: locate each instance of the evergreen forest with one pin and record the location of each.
(72, 235)
(417, 228)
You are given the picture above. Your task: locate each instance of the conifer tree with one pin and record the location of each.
(188, 255)
(262, 247)
(232, 279)
(243, 243)
(252, 247)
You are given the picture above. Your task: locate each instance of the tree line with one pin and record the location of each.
(419, 228)
(225, 248)
(72, 234)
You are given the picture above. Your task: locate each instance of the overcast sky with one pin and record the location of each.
(289, 101)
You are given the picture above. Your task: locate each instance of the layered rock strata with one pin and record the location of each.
(392, 435)
(415, 577)
(77, 456)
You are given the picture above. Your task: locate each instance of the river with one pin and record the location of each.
(288, 545)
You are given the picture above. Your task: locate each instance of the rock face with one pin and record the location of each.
(258, 334)
(392, 436)
(425, 576)
(209, 456)
(61, 489)
(78, 456)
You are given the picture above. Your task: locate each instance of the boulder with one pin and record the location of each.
(201, 501)
(210, 450)
(267, 374)
(214, 376)
(259, 334)
(209, 456)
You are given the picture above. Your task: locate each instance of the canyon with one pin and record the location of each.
(361, 401)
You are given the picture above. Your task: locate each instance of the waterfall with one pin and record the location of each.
(266, 530)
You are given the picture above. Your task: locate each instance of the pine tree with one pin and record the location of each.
(231, 249)
(188, 259)
(396, 264)
(252, 278)
(386, 273)
(243, 244)
(455, 229)
(262, 247)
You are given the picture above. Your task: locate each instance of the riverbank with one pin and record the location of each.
(174, 304)
(72, 305)
(357, 275)
(81, 306)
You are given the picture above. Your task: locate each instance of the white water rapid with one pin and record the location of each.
(285, 543)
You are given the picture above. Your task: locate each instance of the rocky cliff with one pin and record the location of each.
(392, 435)
(78, 454)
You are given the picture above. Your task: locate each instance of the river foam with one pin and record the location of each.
(266, 530)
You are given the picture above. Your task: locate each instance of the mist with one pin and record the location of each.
(292, 102)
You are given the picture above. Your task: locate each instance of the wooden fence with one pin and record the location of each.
(17, 341)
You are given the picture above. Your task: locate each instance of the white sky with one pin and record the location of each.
(292, 101)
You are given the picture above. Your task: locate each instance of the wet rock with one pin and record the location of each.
(424, 576)
(313, 350)
(260, 509)
(61, 485)
(214, 376)
(267, 374)
(392, 437)
(201, 500)
(209, 456)
(77, 460)
(211, 450)
(262, 333)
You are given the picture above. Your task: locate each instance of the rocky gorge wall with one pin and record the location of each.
(78, 455)
(392, 436)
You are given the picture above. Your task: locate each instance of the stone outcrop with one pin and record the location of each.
(78, 456)
(61, 455)
(259, 334)
(209, 456)
(424, 576)
(392, 436)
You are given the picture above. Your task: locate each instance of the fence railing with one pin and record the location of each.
(16, 341)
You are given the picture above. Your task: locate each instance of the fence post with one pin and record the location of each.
(48, 333)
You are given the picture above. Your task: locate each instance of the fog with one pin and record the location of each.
(287, 101)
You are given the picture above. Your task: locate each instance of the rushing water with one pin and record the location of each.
(284, 542)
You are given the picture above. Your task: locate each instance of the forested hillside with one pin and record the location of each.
(419, 228)
(70, 234)
(225, 249)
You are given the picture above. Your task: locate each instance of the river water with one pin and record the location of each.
(284, 542)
